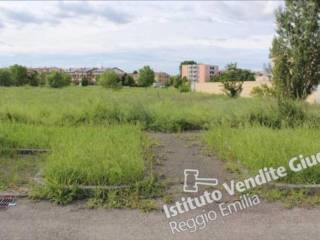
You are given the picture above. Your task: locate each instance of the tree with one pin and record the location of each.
(58, 79)
(19, 75)
(42, 79)
(233, 73)
(296, 49)
(175, 81)
(109, 79)
(233, 78)
(146, 77)
(84, 81)
(127, 80)
(33, 78)
(5, 77)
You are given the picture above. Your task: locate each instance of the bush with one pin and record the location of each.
(185, 85)
(291, 112)
(109, 79)
(5, 77)
(58, 79)
(263, 91)
(232, 88)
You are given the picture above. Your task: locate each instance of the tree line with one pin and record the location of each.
(17, 75)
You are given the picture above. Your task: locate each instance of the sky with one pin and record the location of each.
(129, 34)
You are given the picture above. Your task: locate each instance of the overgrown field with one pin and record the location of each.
(155, 109)
(95, 137)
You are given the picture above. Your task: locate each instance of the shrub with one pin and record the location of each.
(109, 79)
(263, 91)
(58, 79)
(232, 88)
(185, 85)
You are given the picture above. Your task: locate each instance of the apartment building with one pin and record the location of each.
(90, 73)
(199, 73)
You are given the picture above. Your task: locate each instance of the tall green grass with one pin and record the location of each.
(258, 147)
(164, 110)
(91, 155)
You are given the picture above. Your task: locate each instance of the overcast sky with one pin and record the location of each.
(132, 34)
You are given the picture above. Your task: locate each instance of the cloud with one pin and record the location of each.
(76, 9)
(24, 17)
(135, 33)
(58, 12)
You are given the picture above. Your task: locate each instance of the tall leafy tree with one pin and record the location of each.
(110, 79)
(19, 74)
(146, 77)
(233, 73)
(296, 48)
(5, 77)
(58, 79)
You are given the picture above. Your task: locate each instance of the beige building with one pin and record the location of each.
(46, 69)
(161, 78)
(77, 74)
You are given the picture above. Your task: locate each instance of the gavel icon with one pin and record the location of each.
(191, 180)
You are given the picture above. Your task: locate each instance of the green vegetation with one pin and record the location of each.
(146, 77)
(164, 110)
(16, 170)
(127, 80)
(85, 81)
(232, 78)
(180, 83)
(58, 79)
(95, 137)
(295, 49)
(234, 74)
(19, 75)
(87, 155)
(109, 79)
(263, 91)
(5, 77)
(259, 147)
